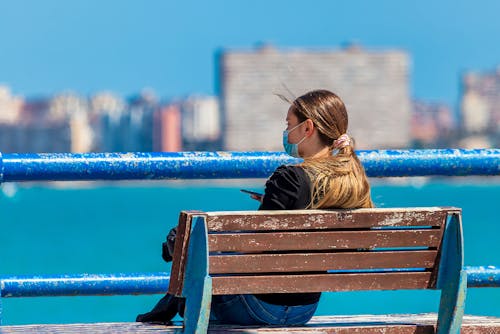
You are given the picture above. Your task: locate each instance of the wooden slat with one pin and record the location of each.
(180, 252)
(176, 275)
(323, 240)
(270, 263)
(320, 282)
(324, 219)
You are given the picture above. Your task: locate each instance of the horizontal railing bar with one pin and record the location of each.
(85, 285)
(483, 277)
(149, 283)
(225, 165)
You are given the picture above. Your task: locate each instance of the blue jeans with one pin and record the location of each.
(249, 310)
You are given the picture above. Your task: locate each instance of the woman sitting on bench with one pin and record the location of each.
(331, 176)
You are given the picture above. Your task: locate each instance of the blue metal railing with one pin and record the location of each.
(211, 165)
(84, 284)
(483, 277)
(149, 283)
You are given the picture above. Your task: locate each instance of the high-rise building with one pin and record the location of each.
(201, 124)
(107, 112)
(137, 126)
(82, 134)
(10, 115)
(64, 105)
(35, 131)
(167, 134)
(35, 111)
(432, 125)
(10, 106)
(374, 85)
(480, 108)
(73, 109)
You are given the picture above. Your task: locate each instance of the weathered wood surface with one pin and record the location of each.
(323, 219)
(269, 263)
(228, 285)
(266, 254)
(180, 251)
(249, 233)
(359, 324)
(259, 242)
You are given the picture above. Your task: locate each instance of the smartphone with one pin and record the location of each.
(251, 192)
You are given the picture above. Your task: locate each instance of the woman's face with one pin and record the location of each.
(292, 121)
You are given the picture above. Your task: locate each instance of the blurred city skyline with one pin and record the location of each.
(243, 116)
(89, 46)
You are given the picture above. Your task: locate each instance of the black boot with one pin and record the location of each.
(164, 310)
(181, 305)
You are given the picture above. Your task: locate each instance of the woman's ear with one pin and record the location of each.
(309, 128)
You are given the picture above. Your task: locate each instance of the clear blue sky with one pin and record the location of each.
(48, 46)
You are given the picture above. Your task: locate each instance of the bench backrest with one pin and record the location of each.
(318, 250)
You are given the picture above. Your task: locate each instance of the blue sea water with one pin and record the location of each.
(116, 228)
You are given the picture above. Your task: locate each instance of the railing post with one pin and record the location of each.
(1, 176)
(1, 283)
(1, 309)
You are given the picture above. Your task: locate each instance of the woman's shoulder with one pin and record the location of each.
(287, 189)
(289, 170)
(290, 173)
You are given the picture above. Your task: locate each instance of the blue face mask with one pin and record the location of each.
(292, 149)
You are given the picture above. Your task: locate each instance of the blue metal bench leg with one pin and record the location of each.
(197, 283)
(451, 308)
(452, 279)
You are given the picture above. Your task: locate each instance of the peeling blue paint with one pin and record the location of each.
(213, 165)
(1, 168)
(483, 277)
(450, 162)
(84, 284)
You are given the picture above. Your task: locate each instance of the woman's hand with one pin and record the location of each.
(257, 197)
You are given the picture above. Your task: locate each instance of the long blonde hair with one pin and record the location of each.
(338, 180)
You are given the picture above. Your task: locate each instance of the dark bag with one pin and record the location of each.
(167, 249)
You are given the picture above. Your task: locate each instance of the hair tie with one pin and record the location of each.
(342, 141)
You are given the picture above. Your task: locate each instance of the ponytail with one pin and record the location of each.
(339, 180)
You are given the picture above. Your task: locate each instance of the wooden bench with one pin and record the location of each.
(218, 253)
